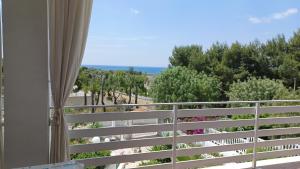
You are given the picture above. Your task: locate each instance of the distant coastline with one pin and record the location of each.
(144, 69)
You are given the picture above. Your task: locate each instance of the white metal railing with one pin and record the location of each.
(174, 125)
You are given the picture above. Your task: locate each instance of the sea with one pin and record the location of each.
(143, 69)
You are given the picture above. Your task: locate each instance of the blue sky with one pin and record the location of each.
(144, 32)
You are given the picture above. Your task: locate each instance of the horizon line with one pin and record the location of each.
(124, 66)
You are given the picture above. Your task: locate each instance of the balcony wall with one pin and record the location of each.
(26, 99)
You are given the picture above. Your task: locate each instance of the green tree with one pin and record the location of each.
(277, 58)
(274, 51)
(116, 84)
(190, 56)
(180, 84)
(134, 83)
(139, 85)
(289, 70)
(104, 87)
(94, 87)
(129, 85)
(83, 82)
(257, 89)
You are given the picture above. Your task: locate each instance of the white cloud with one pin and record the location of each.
(289, 12)
(134, 11)
(274, 16)
(255, 20)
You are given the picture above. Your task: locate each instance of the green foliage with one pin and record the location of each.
(257, 89)
(150, 162)
(188, 56)
(161, 147)
(78, 156)
(258, 149)
(117, 80)
(180, 84)
(109, 84)
(187, 158)
(90, 155)
(277, 58)
(168, 160)
(78, 141)
(216, 154)
(96, 125)
(82, 79)
(97, 154)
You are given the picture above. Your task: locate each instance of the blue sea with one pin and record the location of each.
(144, 69)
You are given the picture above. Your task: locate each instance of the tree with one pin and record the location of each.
(274, 51)
(294, 51)
(129, 85)
(289, 70)
(180, 84)
(257, 89)
(190, 56)
(104, 87)
(83, 82)
(139, 85)
(94, 85)
(116, 82)
(215, 55)
(80, 79)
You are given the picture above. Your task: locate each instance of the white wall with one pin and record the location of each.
(26, 99)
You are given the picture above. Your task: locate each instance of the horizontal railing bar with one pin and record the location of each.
(214, 124)
(125, 158)
(279, 120)
(215, 111)
(223, 123)
(109, 131)
(179, 103)
(120, 144)
(239, 134)
(236, 123)
(110, 116)
(166, 140)
(278, 131)
(211, 149)
(114, 116)
(218, 136)
(279, 109)
(213, 161)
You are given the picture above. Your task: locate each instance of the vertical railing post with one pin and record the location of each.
(1, 106)
(255, 138)
(175, 108)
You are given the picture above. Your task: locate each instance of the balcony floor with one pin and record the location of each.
(279, 163)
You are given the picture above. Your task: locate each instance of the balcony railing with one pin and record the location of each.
(124, 131)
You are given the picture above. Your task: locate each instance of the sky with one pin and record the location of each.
(144, 32)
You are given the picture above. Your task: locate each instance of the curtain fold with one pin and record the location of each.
(68, 28)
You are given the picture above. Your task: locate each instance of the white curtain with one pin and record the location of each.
(68, 28)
